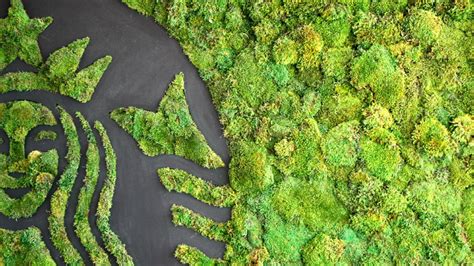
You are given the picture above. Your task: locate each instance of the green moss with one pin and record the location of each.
(323, 250)
(25, 45)
(373, 97)
(468, 214)
(433, 138)
(425, 26)
(170, 130)
(309, 202)
(340, 144)
(60, 197)
(112, 242)
(46, 135)
(249, 170)
(180, 181)
(38, 169)
(285, 51)
(23, 247)
(376, 69)
(81, 216)
(58, 73)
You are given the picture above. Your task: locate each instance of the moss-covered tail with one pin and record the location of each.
(81, 217)
(60, 197)
(111, 240)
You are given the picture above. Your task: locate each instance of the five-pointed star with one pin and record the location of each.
(19, 36)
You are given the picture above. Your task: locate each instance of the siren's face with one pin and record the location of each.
(35, 171)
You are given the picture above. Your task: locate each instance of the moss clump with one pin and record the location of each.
(433, 138)
(23, 247)
(24, 45)
(81, 216)
(60, 197)
(323, 250)
(57, 74)
(170, 130)
(468, 213)
(37, 170)
(377, 70)
(249, 169)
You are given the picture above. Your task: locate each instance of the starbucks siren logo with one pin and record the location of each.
(37, 171)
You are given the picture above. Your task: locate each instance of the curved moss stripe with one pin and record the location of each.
(60, 197)
(185, 217)
(180, 181)
(111, 240)
(193, 256)
(81, 218)
(24, 247)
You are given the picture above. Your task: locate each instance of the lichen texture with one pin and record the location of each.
(350, 127)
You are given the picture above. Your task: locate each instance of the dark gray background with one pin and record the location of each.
(145, 60)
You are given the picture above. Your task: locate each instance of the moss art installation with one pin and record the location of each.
(39, 170)
(169, 130)
(350, 127)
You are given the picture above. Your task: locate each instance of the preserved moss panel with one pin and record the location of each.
(111, 240)
(81, 217)
(60, 197)
(23, 247)
(364, 107)
(169, 130)
(19, 35)
(37, 169)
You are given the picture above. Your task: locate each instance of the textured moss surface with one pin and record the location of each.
(81, 217)
(111, 240)
(23, 247)
(169, 130)
(350, 127)
(18, 39)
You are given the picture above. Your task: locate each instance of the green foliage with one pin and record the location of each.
(23, 247)
(323, 250)
(170, 130)
(46, 135)
(309, 202)
(468, 214)
(433, 138)
(60, 197)
(38, 169)
(25, 45)
(180, 181)
(340, 144)
(249, 170)
(377, 70)
(81, 216)
(372, 97)
(111, 240)
(57, 74)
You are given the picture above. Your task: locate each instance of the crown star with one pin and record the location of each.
(19, 34)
